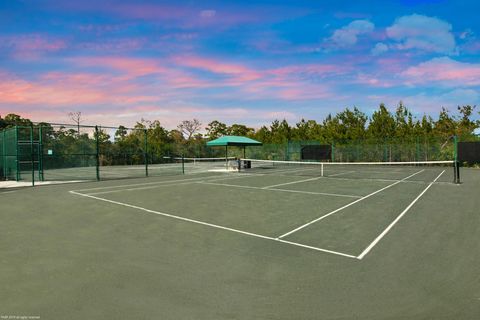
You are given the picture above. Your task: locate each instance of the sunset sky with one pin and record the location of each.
(244, 62)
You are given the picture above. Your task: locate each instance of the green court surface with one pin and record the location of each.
(214, 245)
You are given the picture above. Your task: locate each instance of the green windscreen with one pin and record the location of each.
(9, 154)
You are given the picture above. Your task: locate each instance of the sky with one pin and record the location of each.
(247, 62)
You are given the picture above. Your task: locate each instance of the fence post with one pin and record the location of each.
(17, 164)
(97, 156)
(32, 155)
(145, 155)
(40, 153)
(333, 151)
(4, 155)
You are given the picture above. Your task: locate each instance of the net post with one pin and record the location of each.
(456, 165)
(183, 163)
(32, 156)
(97, 155)
(145, 155)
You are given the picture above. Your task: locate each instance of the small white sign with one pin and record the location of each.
(50, 152)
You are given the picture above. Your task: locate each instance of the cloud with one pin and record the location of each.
(235, 71)
(348, 35)
(208, 13)
(379, 49)
(423, 33)
(444, 71)
(31, 46)
(426, 103)
(467, 34)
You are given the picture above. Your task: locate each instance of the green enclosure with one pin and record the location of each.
(47, 152)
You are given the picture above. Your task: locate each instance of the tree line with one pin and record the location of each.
(349, 125)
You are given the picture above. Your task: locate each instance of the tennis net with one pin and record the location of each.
(192, 165)
(424, 171)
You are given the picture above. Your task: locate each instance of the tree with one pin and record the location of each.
(263, 134)
(189, 127)
(239, 130)
(404, 125)
(12, 119)
(352, 124)
(466, 126)
(120, 134)
(216, 129)
(445, 125)
(307, 130)
(382, 124)
(332, 129)
(76, 117)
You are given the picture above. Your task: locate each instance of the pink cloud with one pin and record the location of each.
(130, 66)
(17, 91)
(31, 46)
(308, 71)
(238, 71)
(445, 71)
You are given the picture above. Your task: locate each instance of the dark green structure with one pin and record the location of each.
(57, 152)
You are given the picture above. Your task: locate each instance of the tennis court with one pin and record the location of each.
(279, 240)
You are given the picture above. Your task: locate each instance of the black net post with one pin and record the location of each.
(183, 164)
(97, 153)
(145, 154)
(456, 165)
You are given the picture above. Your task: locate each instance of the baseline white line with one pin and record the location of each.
(390, 226)
(214, 225)
(315, 248)
(292, 182)
(4, 192)
(346, 206)
(279, 190)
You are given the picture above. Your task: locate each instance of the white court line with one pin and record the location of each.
(345, 206)
(381, 235)
(214, 225)
(280, 190)
(292, 182)
(7, 192)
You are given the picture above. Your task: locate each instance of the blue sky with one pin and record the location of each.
(244, 62)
